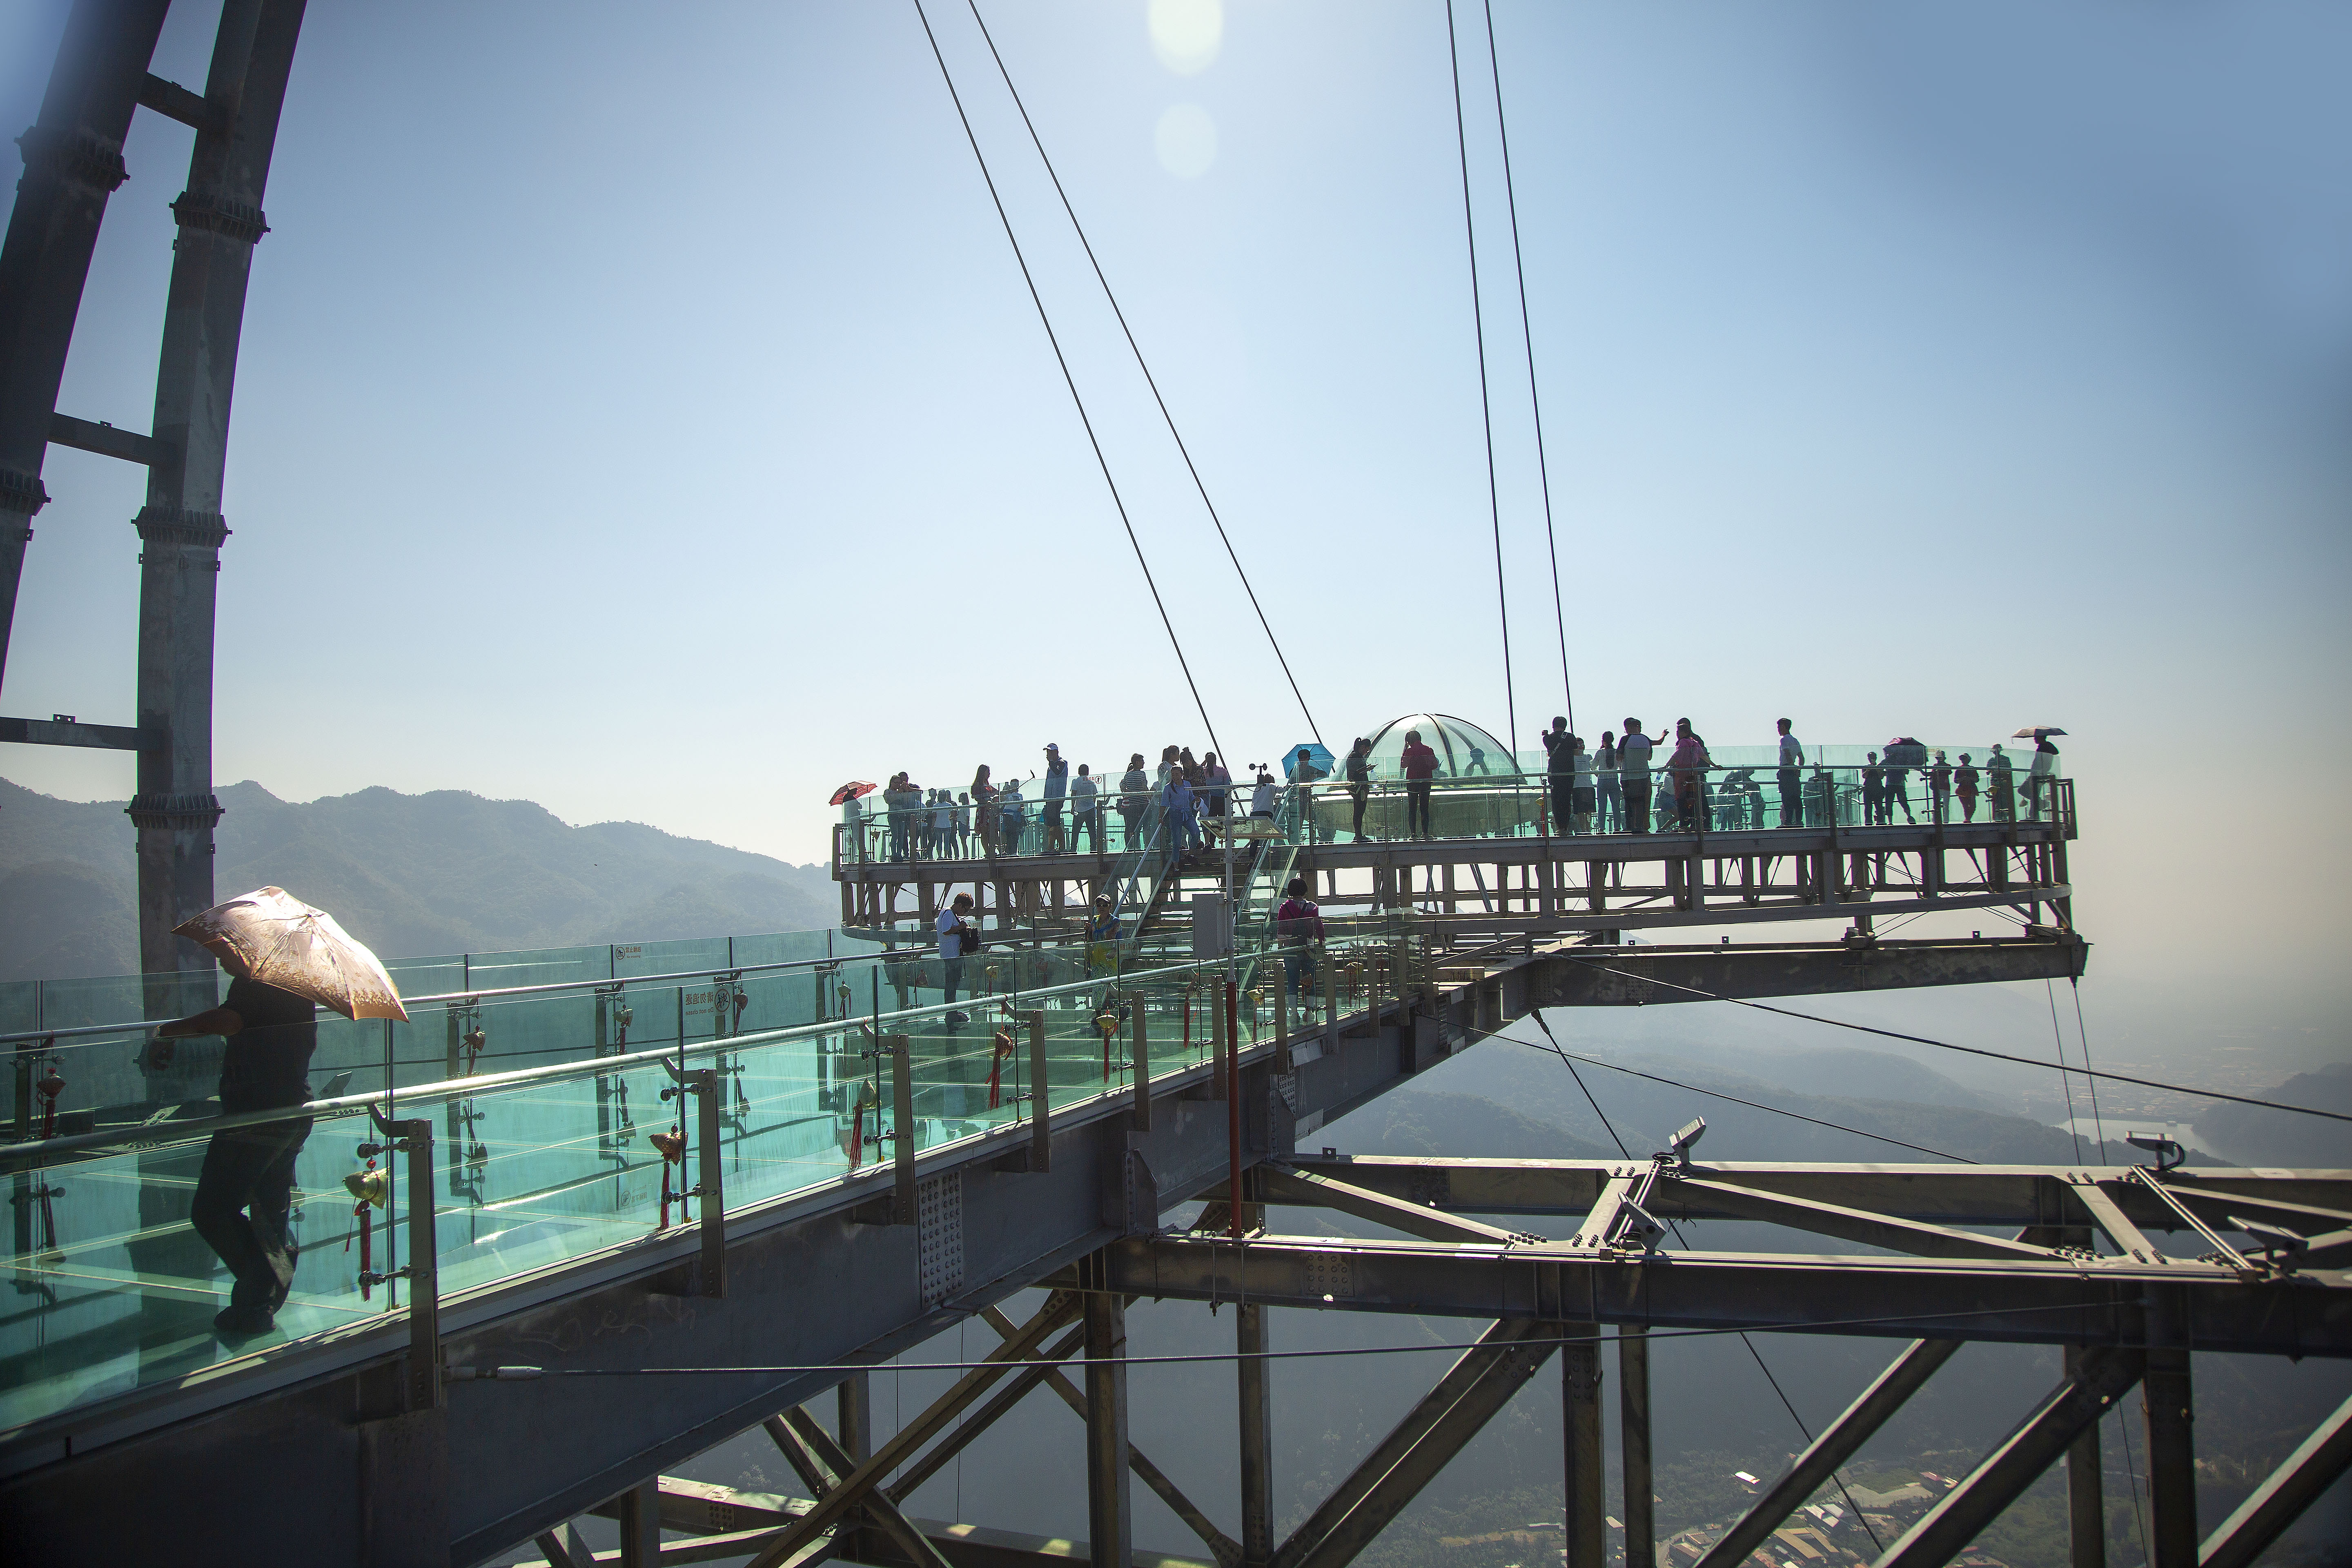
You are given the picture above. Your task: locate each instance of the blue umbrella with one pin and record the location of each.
(1317, 752)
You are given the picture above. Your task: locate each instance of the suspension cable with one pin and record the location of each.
(1068, 380)
(1971, 1050)
(1527, 338)
(1486, 403)
(1149, 379)
(2059, 1040)
(2098, 1123)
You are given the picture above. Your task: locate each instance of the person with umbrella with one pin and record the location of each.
(283, 957)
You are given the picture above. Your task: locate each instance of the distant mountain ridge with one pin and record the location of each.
(410, 875)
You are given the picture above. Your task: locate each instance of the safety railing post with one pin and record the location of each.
(1142, 1048)
(1041, 1097)
(709, 1188)
(421, 1388)
(902, 1110)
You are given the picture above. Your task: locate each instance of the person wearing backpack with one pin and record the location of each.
(959, 938)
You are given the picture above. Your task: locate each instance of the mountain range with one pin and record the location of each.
(410, 875)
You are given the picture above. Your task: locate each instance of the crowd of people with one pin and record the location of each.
(1623, 787)
(1631, 782)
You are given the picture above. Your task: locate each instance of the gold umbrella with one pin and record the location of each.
(273, 937)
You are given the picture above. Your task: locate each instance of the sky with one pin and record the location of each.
(646, 417)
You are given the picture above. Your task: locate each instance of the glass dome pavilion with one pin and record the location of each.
(1463, 750)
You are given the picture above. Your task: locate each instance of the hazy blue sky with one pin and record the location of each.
(642, 413)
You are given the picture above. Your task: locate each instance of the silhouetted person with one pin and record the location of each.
(1791, 778)
(1560, 773)
(1633, 772)
(1085, 811)
(1358, 770)
(1609, 796)
(246, 1188)
(1873, 792)
(1964, 784)
(2003, 778)
(1420, 765)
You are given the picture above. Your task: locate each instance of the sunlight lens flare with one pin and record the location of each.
(1186, 141)
(1185, 34)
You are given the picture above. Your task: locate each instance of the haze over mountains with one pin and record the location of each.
(410, 875)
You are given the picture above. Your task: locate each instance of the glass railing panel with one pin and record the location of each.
(114, 1290)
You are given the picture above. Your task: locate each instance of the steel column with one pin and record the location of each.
(640, 1511)
(853, 1415)
(1110, 1512)
(2086, 1508)
(1256, 1436)
(1633, 1441)
(2171, 1459)
(1837, 1444)
(73, 163)
(1580, 1396)
(181, 528)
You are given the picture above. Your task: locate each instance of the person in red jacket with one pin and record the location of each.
(1420, 767)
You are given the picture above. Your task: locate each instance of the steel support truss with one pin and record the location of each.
(2128, 1313)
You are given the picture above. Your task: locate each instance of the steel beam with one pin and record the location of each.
(71, 732)
(833, 1506)
(1933, 1193)
(1838, 1443)
(1847, 1223)
(1381, 1492)
(1459, 1379)
(1222, 1546)
(2295, 1485)
(1110, 1510)
(1633, 1442)
(1022, 1383)
(878, 1506)
(2012, 1301)
(1281, 1184)
(2101, 1378)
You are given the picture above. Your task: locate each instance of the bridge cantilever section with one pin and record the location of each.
(505, 1461)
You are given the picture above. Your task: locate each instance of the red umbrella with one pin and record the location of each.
(850, 792)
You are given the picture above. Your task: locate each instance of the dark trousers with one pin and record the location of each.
(953, 970)
(1361, 795)
(1416, 809)
(1086, 825)
(1564, 803)
(249, 1171)
(1637, 805)
(1792, 812)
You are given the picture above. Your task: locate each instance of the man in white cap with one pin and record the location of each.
(1057, 785)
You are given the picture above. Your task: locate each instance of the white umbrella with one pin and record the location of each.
(2036, 732)
(273, 937)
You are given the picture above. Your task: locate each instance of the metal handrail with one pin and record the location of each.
(39, 1151)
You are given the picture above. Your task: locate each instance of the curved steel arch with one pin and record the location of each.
(73, 163)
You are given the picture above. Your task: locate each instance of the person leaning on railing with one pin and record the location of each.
(249, 1170)
(1134, 794)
